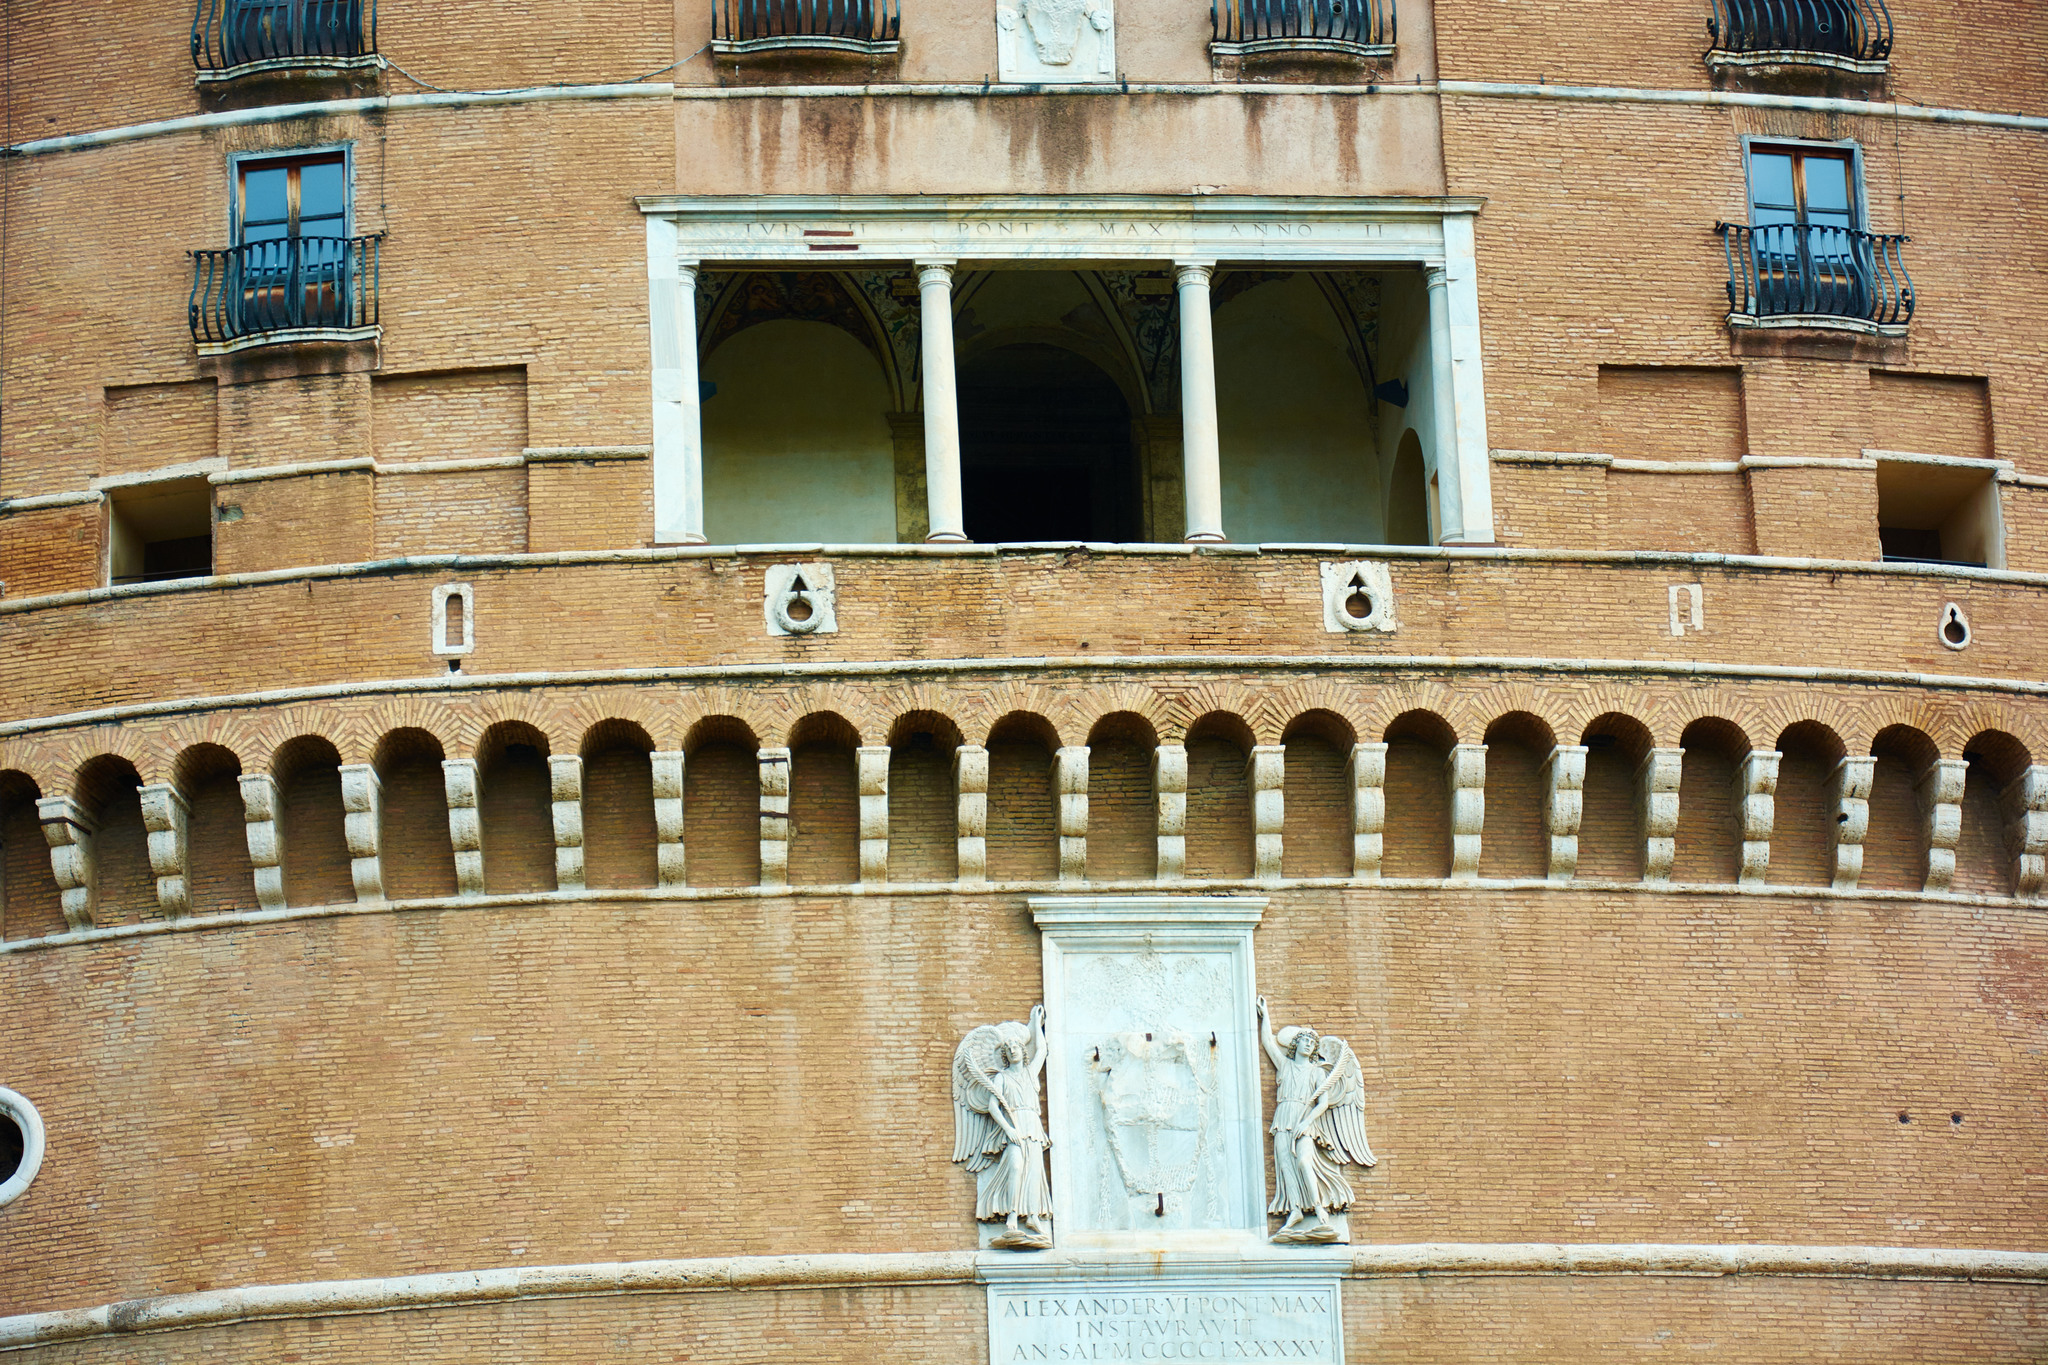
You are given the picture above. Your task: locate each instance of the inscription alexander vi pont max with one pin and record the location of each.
(1294, 1321)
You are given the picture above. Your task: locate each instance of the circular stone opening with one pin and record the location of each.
(798, 609)
(13, 1146)
(1358, 606)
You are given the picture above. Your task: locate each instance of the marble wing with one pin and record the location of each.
(977, 1139)
(1341, 1129)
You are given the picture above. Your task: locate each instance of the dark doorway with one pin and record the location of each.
(1045, 449)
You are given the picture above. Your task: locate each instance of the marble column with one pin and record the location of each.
(678, 421)
(1443, 454)
(1200, 447)
(941, 407)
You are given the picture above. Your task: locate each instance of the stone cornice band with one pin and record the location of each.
(718, 1274)
(636, 90)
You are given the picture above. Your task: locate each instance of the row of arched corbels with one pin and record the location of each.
(1558, 710)
(1357, 793)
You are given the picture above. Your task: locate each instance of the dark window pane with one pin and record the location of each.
(1770, 180)
(1827, 185)
(263, 195)
(320, 190)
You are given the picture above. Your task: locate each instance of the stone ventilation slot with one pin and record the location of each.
(1955, 627)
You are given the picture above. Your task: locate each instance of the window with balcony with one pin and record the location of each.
(1843, 35)
(1283, 28)
(294, 272)
(1804, 258)
(234, 39)
(867, 28)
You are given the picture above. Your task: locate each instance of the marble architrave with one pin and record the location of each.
(1152, 1082)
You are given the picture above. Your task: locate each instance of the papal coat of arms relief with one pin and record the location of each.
(1055, 41)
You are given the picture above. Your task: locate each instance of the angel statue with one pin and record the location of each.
(1318, 1128)
(997, 1131)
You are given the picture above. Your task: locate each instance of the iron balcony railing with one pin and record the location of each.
(233, 33)
(290, 285)
(829, 23)
(1807, 270)
(1858, 30)
(1304, 23)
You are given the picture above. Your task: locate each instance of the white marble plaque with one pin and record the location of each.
(1219, 1318)
(1152, 1081)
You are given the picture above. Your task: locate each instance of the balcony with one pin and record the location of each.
(1841, 35)
(286, 291)
(868, 28)
(1348, 28)
(1804, 275)
(236, 39)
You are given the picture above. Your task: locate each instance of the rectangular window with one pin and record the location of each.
(292, 244)
(1806, 221)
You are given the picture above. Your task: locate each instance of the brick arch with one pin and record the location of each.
(1859, 724)
(1319, 722)
(1524, 727)
(31, 906)
(1013, 697)
(823, 727)
(945, 731)
(1024, 724)
(1422, 723)
(105, 785)
(1409, 698)
(1226, 697)
(1294, 700)
(1129, 699)
(855, 710)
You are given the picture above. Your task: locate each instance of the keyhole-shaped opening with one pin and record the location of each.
(1357, 601)
(1953, 628)
(799, 606)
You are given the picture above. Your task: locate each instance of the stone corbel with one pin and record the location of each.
(871, 767)
(465, 827)
(970, 798)
(166, 815)
(1564, 808)
(1365, 777)
(2025, 803)
(69, 831)
(1268, 773)
(1170, 790)
(362, 805)
(262, 809)
(1849, 801)
(1070, 790)
(565, 791)
(774, 816)
(669, 865)
(1940, 794)
(1756, 804)
(1465, 777)
(1657, 782)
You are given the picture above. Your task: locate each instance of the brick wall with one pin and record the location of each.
(1023, 840)
(147, 426)
(824, 816)
(288, 522)
(52, 549)
(316, 862)
(1316, 838)
(479, 511)
(1709, 839)
(618, 818)
(1418, 831)
(449, 415)
(721, 815)
(516, 812)
(418, 859)
(1123, 818)
(1514, 842)
(219, 875)
(923, 815)
(1219, 810)
(589, 504)
(29, 902)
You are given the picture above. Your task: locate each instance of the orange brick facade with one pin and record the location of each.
(616, 1004)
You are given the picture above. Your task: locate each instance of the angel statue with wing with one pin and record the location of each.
(1318, 1128)
(997, 1131)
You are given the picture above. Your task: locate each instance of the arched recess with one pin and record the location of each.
(1418, 799)
(1408, 516)
(218, 875)
(1515, 842)
(30, 903)
(316, 861)
(1802, 834)
(1046, 448)
(618, 805)
(797, 445)
(1611, 830)
(1295, 419)
(924, 821)
(1709, 839)
(515, 808)
(1895, 848)
(109, 790)
(1984, 857)
(1123, 817)
(418, 856)
(1316, 833)
(1023, 832)
(1220, 843)
(722, 803)
(824, 801)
